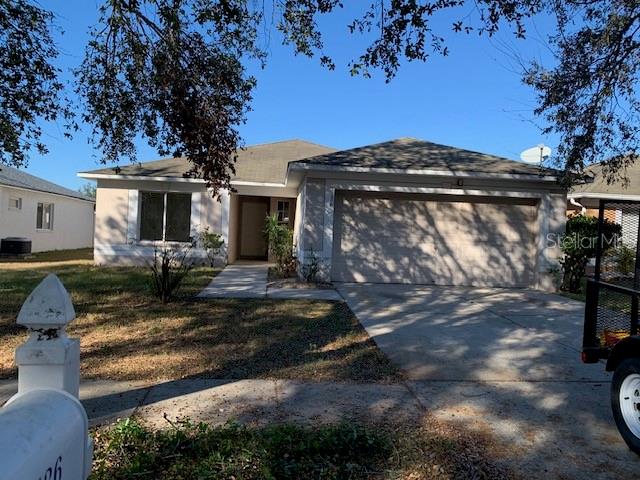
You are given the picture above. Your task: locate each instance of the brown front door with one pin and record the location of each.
(253, 211)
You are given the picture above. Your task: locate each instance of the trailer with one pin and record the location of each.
(611, 313)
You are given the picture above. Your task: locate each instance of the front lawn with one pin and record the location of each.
(126, 334)
(344, 451)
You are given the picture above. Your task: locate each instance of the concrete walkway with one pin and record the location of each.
(252, 402)
(532, 431)
(238, 281)
(307, 293)
(250, 281)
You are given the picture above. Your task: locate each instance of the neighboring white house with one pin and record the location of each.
(51, 216)
(404, 211)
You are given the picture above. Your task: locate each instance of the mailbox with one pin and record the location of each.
(43, 436)
(44, 427)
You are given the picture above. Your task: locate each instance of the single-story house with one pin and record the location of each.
(51, 216)
(585, 198)
(403, 211)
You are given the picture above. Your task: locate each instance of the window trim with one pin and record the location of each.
(19, 200)
(51, 219)
(163, 240)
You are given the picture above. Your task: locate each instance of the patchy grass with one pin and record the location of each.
(273, 274)
(78, 254)
(126, 334)
(187, 451)
(579, 296)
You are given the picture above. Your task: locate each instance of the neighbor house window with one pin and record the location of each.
(15, 203)
(44, 216)
(283, 211)
(165, 216)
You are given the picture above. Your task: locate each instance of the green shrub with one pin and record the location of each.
(212, 243)
(168, 269)
(280, 240)
(198, 451)
(579, 245)
(625, 258)
(311, 268)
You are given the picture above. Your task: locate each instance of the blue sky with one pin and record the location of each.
(472, 99)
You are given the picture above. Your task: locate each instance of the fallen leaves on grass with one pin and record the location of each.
(125, 334)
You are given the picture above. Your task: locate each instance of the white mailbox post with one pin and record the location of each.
(44, 428)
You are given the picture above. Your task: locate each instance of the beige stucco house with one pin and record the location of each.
(52, 217)
(404, 211)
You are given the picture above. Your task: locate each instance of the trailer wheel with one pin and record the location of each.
(625, 401)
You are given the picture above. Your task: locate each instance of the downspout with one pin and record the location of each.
(573, 202)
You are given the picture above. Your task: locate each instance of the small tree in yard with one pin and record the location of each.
(168, 270)
(280, 239)
(212, 243)
(579, 245)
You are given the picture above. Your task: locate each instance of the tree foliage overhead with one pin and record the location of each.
(172, 72)
(402, 29)
(30, 89)
(590, 98)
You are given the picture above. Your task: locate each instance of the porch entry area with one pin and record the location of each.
(247, 218)
(253, 245)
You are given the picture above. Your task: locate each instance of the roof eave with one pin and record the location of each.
(427, 172)
(38, 190)
(604, 196)
(106, 176)
(114, 176)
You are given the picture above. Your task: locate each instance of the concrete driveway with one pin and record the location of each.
(505, 363)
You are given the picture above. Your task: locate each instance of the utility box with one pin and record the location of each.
(15, 246)
(43, 435)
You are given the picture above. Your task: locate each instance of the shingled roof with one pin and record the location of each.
(265, 163)
(13, 177)
(414, 154)
(599, 185)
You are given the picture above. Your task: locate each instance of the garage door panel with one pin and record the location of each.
(418, 240)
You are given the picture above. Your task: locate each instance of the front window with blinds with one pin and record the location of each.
(165, 216)
(44, 216)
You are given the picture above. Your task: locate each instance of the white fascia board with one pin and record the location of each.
(430, 172)
(107, 176)
(605, 196)
(258, 184)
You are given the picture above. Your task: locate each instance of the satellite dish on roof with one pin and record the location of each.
(536, 155)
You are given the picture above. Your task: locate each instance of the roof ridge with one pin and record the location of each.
(416, 139)
(287, 141)
(408, 152)
(472, 151)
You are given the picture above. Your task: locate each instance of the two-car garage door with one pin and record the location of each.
(444, 240)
